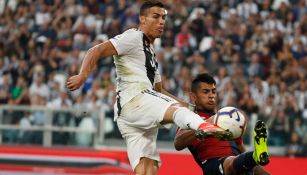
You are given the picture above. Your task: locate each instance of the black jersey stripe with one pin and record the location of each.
(119, 107)
(150, 62)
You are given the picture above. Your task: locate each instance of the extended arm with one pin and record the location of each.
(102, 50)
(159, 88)
(184, 138)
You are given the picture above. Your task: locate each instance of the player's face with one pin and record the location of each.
(154, 21)
(205, 96)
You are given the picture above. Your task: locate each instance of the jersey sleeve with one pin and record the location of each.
(125, 42)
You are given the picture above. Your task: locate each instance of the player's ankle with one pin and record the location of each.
(255, 157)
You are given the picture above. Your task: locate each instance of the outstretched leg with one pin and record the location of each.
(245, 162)
(186, 119)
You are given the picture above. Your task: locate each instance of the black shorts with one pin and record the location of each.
(215, 167)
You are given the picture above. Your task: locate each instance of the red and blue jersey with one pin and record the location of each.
(213, 148)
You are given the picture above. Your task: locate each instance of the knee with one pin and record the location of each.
(147, 167)
(171, 112)
(228, 165)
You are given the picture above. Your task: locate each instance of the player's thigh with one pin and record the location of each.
(140, 143)
(146, 110)
(214, 167)
(228, 165)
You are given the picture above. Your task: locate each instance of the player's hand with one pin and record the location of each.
(75, 82)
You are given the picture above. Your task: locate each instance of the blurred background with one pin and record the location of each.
(255, 49)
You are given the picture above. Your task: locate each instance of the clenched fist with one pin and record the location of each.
(75, 82)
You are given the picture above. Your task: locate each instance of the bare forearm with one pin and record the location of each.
(183, 139)
(102, 50)
(183, 103)
(89, 62)
(159, 88)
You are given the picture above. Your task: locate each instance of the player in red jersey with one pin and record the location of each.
(214, 156)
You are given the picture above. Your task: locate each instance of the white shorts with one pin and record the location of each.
(139, 122)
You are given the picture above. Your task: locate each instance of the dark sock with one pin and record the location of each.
(244, 162)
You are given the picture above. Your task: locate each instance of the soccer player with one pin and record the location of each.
(142, 104)
(216, 157)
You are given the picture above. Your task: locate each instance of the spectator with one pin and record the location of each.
(25, 123)
(259, 90)
(227, 50)
(42, 16)
(301, 95)
(255, 68)
(259, 39)
(247, 103)
(4, 96)
(247, 8)
(39, 87)
(85, 23)
(279, 125)
(62, 101)
(221, 78)
(184, 40)
(86, 137)
(20, 92)
(295, 148)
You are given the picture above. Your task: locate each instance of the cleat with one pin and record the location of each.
(261, 155)
(208, 130)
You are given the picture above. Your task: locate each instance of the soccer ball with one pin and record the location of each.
(232, 119)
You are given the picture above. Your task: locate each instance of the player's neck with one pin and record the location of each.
(206, 111)
(149, 37)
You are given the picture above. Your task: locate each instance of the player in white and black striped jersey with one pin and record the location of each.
(142, 104)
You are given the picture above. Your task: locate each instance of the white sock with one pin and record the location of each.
(187, 119)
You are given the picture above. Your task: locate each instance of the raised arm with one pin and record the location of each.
(102, 50)
(184, 137)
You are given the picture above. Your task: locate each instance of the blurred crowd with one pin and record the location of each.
(256, 50)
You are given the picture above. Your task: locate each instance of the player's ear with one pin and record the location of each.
(142, 19)
(192, 97)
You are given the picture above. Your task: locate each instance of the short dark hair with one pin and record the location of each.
(148, 4)
(204, 78)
